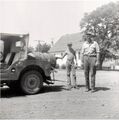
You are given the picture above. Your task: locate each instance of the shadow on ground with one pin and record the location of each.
(8, 93)
(53, 88)
(101, 89)
(97, 88)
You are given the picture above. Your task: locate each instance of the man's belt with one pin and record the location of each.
(90, 55)
(70, 60)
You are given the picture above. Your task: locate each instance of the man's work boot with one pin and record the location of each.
(68, 87)
(87, 89)
(75, 87)
(93, 90)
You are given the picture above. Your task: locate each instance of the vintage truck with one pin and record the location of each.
(21, 69)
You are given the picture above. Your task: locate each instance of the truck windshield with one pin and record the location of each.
(12, 43)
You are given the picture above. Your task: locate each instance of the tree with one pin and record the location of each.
(104, 23)
(44, 48)
(30, 49)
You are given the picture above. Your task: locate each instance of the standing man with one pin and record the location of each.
(70, 66)
(90, 59)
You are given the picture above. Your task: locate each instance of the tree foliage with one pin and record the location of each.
(30, 49)
(104, 23)
(44, 48)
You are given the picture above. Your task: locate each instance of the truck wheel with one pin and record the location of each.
(31, 82)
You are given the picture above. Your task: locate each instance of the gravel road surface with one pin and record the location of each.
(54, 102)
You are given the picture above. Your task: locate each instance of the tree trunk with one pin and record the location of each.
(102, 58)
(100, 65)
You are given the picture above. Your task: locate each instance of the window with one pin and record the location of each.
(18, 44)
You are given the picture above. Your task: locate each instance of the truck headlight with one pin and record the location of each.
(13, 70)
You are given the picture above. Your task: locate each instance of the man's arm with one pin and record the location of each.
(98, 57)
(97, 54)
(81, 53)
(64, 55)
(75, 57)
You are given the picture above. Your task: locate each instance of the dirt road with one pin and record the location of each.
(55, 102)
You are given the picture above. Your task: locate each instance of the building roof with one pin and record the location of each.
(61, 44)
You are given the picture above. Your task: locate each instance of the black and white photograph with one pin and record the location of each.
(59, 59)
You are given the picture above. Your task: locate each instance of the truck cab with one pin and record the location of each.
(20, 69)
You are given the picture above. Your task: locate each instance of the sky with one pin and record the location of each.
(45, 20)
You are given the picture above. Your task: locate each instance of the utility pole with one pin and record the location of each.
(52, 42)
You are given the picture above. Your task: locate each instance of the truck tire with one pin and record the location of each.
(31, 82)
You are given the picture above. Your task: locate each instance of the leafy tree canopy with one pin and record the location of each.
(104, 23)
(44, 48)
(30, 49)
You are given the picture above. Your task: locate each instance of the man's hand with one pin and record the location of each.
(97, 63)
(82, 64)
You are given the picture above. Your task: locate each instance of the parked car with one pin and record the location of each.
(20, 69)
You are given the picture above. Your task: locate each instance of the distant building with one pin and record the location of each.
(60, 46)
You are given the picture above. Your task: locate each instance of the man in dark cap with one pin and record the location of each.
(70, 66)
(90, 59)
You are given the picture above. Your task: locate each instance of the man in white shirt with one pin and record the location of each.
(90, 59)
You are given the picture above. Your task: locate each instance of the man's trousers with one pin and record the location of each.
(71, 73)
(90, 70)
